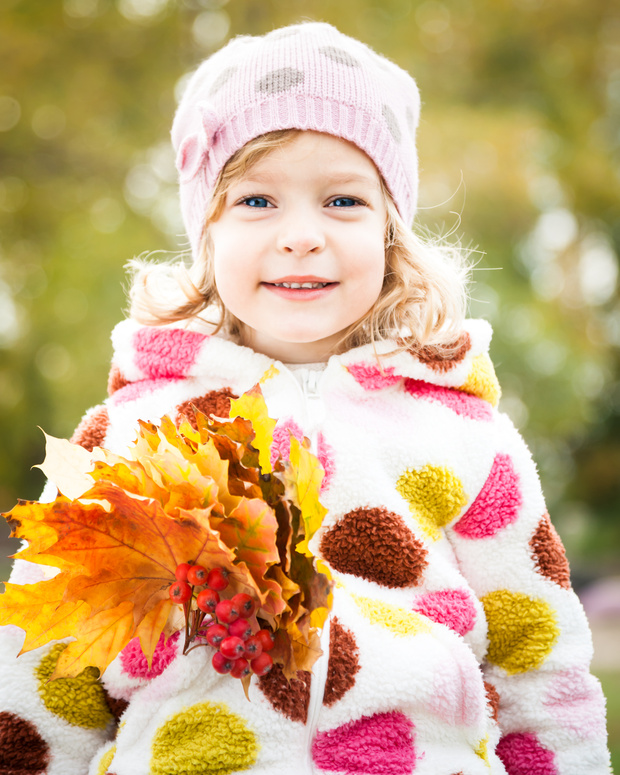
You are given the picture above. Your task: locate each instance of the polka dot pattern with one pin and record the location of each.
(435, 496)
(383, 744)
(371, 377)
(548, 553)
(443, 359)
(497, 505)
(291, 698)
(343, 663)
(492, 699)
(166, 353)
(452, 607)
(462, 403)
(522, 754)
(481, 380)
(22, 749)
(393, 618)
(222, 79)
(339, 55)
(116, 380)
(215, 402)
(106, 761)
(135, 664)
(376, 545)
(79, 701)
(204, 739)
(522, 630)
(280, 80)
(392, 122)
(91, 431)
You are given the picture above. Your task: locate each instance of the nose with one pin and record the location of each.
(300, 235)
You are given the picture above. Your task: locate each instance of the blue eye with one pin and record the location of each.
(345, 201)
(255, 201)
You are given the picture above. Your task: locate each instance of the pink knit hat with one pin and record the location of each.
(306, 76)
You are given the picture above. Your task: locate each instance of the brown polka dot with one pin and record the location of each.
(116, 705)
(22, 749)
(549, 554)
(446, 357)
(492, 699)
(216, 402)
(92, 429)
(343, 663)
(375, 544)
(289, 698)
(116, 380)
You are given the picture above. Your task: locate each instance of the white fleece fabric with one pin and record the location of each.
(455, 646)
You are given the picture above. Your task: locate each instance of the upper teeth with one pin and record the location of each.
(301, 285)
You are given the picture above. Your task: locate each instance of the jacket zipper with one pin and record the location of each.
(313, 410)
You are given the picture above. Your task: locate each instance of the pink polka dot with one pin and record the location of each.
(452, 607)
(458, 696)
(325, 455)
(497, 504)
(575, 699)
(382, 744)
(522, 754)
(134, 662)
(461, 403)
(166, 353)
(372, 377)
(135, 390)
(281, 446)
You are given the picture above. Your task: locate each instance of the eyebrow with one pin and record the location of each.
(333, 178)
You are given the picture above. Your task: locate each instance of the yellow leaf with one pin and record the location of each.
(303, 477)
(251, 406)
(99, 640)
(151, 627)
(67, 466)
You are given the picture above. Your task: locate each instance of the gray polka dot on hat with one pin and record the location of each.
(280, 80)
(339, 55)
(222, 79)
(410, 119)
(392, 122)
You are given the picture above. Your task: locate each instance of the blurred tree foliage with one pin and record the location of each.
(519, 145)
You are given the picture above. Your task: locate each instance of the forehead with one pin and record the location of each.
(321, 155)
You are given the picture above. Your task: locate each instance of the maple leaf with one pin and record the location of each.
(303, 477)
(251, 406)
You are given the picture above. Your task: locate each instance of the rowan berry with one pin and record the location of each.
(207, 600)
(226, 611)
(232, 647)
(180, 592)
(181, 572)
(216, 634)
(197, 575)
(262, 664)
(221, 663)
(253, 647)
(241, 668)
(244, 603)
(266, 638)
(241, 628)
(217, 579)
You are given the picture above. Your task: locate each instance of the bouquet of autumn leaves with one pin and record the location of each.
(121, 527)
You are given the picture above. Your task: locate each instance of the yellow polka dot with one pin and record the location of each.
(482, 750)
(522, 630)
(204, 739)
(79, 700)
(435, 496)
(481, 380)
(106, 761)
(397, 620)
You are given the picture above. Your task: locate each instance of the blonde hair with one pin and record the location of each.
(421, 305)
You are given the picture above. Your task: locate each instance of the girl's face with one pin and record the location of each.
(298, 249)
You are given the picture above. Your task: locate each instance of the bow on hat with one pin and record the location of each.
(193, 150)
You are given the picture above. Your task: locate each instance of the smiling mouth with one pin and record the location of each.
(299, 285)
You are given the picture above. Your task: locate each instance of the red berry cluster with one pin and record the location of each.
(239, 651)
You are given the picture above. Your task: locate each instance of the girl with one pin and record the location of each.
(455, 644)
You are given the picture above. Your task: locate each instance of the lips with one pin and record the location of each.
(306, 288)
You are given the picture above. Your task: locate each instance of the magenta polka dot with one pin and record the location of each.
(452, 607)
(372, 377)
(497, 504)
(281, 446)
(134, 662)
(382, 744)
(522, 754)
(461, 403)
(325, 454)
(166, 353)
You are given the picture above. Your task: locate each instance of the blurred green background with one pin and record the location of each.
(520, 155)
